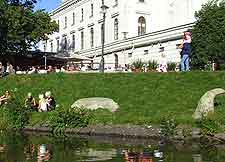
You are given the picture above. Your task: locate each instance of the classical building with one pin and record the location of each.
(134, 29)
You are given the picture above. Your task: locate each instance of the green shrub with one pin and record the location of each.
(168, 127)
(222, 67)
(171, 66)
(138, 64)
(70, 118)
(208, 67)
(16, 115)
(152, 65)
(208, 126)
(211, 124)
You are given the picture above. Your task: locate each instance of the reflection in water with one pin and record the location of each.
(197, 158)
(98, 155)
(44, 153)
(131, 156)
(29, 151)
(41, 149)
(2, 148)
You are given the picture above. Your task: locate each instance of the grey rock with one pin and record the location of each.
(196, 131)
(197, 157)
(96, 103)
(220, 136)
(206, 103)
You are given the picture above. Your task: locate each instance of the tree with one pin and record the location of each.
(21, 28)
(209, 34)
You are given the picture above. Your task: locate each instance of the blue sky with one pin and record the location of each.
(48, 5)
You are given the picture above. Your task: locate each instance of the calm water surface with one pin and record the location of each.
(36, 148)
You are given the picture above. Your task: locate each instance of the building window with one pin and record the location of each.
(142, 1)
(141, 26)
(73, 18)
(58, 25)
(82, 40)
(102, 33)
(92, 37)
(73, 42)
(57, 45)
(116, 61)
(161, 49)
(51, 46)
(65, 43)
(65, 22)
(145, 52)
(116, 2)
(92, 10)
(82, 15)
(130, 54)
(45, 48)
(116, 29)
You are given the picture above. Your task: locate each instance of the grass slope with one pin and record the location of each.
(143, 97)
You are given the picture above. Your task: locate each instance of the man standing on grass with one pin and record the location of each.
(186, 51)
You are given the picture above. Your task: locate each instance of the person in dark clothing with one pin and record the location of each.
(51, 104)
(186, 52)
(30, 102)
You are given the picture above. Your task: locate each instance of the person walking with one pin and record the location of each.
(186, 51)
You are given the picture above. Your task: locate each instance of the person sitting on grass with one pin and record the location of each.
(42, 104)
(5, 98)
(30, 102)
(50, 101)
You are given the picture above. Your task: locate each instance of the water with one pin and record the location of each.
(36, 148)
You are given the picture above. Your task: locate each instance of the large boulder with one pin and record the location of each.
(206, 103)
(96, 103)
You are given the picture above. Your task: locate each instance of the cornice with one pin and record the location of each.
(66, 5)
(115, 15)
(81, 28)
(73, 31)
(143, 13)
(90, 25)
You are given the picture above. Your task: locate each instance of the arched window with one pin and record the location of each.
(57, 45)
(116, 29)
(82, 40)
(65, 43)
(82, 14)
(73, 18)
(65, 22)
(116, 61)
(51, 46)
(141, 26)
(92, 10)
(73, 42)
(92, 37)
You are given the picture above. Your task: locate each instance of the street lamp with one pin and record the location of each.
(103, 11)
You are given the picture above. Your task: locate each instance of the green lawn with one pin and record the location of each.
(143, 97)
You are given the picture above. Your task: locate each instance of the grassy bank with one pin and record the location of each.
(144, 98)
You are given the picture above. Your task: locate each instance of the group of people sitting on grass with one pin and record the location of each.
(46, 102)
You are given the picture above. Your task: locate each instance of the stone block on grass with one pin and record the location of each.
(206, 103)
(95, 103)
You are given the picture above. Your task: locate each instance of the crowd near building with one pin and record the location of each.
(134, 29)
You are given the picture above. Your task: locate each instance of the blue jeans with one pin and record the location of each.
(185, 63)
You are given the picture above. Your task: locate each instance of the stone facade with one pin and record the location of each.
(134, 29)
